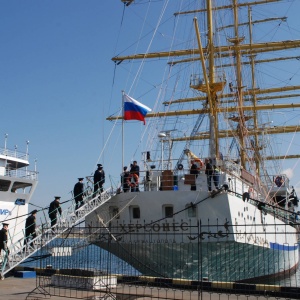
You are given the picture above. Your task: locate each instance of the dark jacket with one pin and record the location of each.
(30, 225)
(99, 176)
(54, 208)
(135, 170)
(194, 170)
(208, 169)
(125, 176)
(78, 190)
(3, 238)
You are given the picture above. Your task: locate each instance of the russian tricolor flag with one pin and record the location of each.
(134, 110)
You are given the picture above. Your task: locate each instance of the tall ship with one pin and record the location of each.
(213, 197)
(17, 185)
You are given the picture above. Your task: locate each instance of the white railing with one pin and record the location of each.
(13, 153)
(21, 173)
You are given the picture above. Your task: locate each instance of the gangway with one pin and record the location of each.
(18, 253)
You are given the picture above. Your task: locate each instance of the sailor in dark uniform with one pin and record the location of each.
(30, 226)
(194, 171)
(209, 172)
(99, 179)
(78, 193)
(54, 208)
(125, 180)
(3, 237)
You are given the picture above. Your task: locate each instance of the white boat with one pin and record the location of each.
(247, 229)
(17, 184)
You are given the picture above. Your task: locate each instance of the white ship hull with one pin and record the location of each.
(221, 238)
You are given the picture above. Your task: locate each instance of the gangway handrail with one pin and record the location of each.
(16, 253)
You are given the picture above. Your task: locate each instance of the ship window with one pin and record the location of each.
(168, 211)
(4, 185)
(114, 212)
(21, 187)
(136, 213)
(191, 211)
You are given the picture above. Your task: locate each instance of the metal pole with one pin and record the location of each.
(5, 141)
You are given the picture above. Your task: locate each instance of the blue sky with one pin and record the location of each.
(58, 84)
(55, 83)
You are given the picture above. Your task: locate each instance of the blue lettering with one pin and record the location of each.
(4, 212)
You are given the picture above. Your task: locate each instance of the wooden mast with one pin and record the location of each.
(254, 100)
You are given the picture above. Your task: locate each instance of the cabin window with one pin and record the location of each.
(21, 187)
(169, 211)
(4, 185)
(135, 212)
(114, 212)
(191, 211)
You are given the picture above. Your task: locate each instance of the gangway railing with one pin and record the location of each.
(18, 252)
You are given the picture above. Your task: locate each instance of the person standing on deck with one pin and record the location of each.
(99, 179)
(208, 172)
(78, 192)
(125, 180)
(216, 176)
(135, 169)
(135, 174)
(54, 208)
(194, 171)
(30, 226)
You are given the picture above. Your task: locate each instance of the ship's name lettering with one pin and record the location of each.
(4, 212)
(252, 239)
(215, 235)
(156, 227)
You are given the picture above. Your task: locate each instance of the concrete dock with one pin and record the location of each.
(13, 288)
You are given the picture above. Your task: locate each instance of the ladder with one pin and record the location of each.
(18, 253)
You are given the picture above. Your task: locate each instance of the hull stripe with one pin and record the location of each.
(276, 246)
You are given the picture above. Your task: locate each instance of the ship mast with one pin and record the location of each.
(214, 144)
(254, 99)
(239, 88)
(211, 86)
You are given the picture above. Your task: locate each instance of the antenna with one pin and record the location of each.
(27, 143)
(5, 140)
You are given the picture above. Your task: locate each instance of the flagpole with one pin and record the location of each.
(123, 93)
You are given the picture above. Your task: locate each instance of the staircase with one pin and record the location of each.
(45, 234)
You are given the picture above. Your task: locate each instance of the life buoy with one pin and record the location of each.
(198, 162)
(180, 167)
(135, 179)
